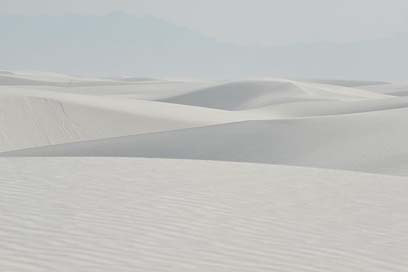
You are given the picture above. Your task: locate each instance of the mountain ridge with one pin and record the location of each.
(120, 43)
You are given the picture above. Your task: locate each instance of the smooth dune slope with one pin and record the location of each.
(30, 118)
(105, 214)
(395, 89)
(39, 109)
(52, 79)
(370, 142)
(254, 94)
(139, 88)
(348, 83)
(33, 121)
(299, 109)
(144, 90)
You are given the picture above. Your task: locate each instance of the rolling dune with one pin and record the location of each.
(140, 174)
(31, 118)
(254, 94)
(369, 142)
(394, 89)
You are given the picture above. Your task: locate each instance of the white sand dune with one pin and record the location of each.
(298, 109)
(53, 79)
(38, 78)
(42, 114)
(146, 90)
(395, 89)
(6, 73)
(96, 205)
(348, 83)
(28, 122)
(254, 94)
(54, 115)
(371, 142)
(116, 214)
(334, 127)
(36, 118)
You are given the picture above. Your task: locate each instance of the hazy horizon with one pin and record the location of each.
(362, 40)
(258, 22)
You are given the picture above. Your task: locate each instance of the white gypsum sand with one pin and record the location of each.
(142, 174)
(118, 214)
(370, 142)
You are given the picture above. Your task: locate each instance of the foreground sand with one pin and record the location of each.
(119, 214)
(85, 186)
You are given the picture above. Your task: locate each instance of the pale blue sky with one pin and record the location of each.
(262, 22)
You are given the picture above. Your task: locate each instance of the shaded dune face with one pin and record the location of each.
(263, 121)
(394, 89)
(241, 95)
(255, 94)
(351, 142)
(39, 121)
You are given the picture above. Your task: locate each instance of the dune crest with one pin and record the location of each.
(255, 94)
(262, 121)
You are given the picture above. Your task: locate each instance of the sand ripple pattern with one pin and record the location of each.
(127, 214)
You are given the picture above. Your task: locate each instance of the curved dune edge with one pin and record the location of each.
(123, 214)
(30, 118)
(370, 142)
(395, 89)
(252, 94)
(304, 109)
(37, 116)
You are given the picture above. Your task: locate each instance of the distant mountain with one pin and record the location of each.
(122, 44)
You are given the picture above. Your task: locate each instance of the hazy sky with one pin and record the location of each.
(262, 22)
